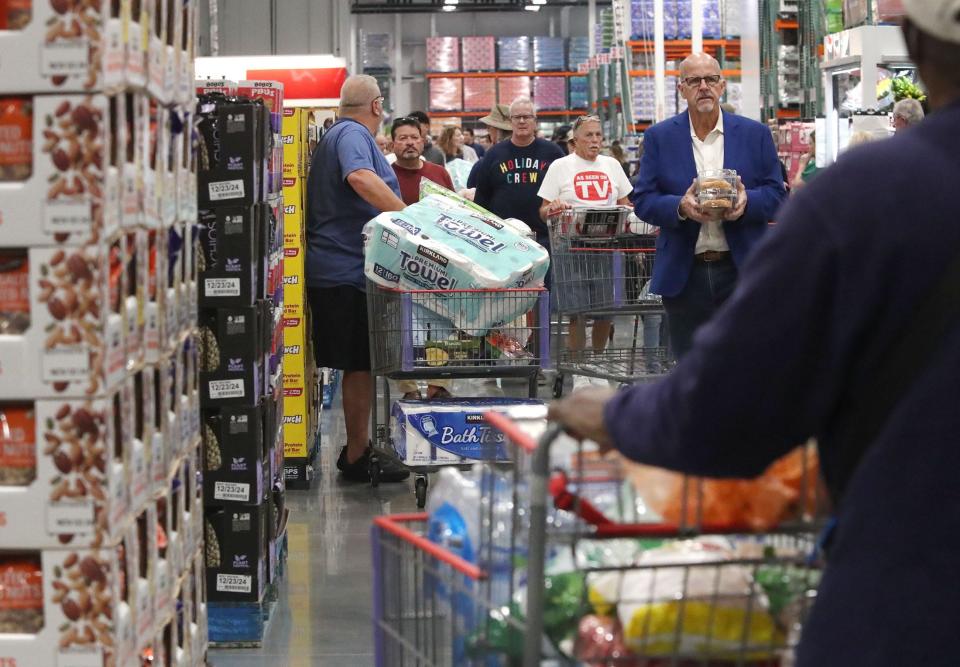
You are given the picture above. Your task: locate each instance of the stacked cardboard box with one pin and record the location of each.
(300, 422)
(240, 333)
(99, 399)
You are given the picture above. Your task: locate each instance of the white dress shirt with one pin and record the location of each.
(708, 154)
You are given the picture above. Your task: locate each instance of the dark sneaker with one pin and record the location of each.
(389, 467)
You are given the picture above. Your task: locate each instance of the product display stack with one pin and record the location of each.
(301, 400)
(100, 512)
(241, 352)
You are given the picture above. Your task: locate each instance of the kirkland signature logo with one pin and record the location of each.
(475, 237)
(432, 255)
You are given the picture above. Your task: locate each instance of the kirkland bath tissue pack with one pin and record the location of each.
(450, 431)
(437, 246)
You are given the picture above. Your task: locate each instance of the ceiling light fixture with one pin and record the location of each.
(449, 8)
(532, 8)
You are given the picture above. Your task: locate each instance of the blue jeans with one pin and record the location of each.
(710, 284)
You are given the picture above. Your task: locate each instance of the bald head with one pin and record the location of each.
(699, 61)
(357, 93)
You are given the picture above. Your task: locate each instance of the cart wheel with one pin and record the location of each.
(420, 488)
(374, 468)
(558, 386)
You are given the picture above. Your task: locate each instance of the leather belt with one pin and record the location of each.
(712, 256)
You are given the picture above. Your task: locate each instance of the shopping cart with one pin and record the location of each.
(592, 581)
(602, 269)
(453, 334)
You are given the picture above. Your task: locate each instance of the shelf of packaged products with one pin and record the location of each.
(676, 72)
(499, 75)
(478, 114)
(788, 113)
(676, 49)
(787, 24)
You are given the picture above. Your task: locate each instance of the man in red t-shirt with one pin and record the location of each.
(408, 146)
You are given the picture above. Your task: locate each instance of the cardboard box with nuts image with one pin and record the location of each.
(131, 155)
(136, 27)
(88, 609)
(155, 118)
(78, 494)
(186, 52)
(155, 335)
(59, 187)
(160, 18)
(143, 576)
(198, 625)
(136, 268)
(234, 140)
(63, 46)
(236, 555)
(185, 154)
(73, 344)
(231, 355)
(271, 93)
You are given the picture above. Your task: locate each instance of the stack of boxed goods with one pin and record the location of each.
(549, 54)
(240, 341)
(578, 93)
(300, 415)
(513, 54)
(644, 96)
(446, 94)
(479, 94)
(443, 54)
(100, 521)
(479, 54)
(788, 74)
(550, 92)
(512, 87)
(793, 142)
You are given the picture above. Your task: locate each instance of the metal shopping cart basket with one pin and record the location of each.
(591, 580)
(453, 334)
(601, 269)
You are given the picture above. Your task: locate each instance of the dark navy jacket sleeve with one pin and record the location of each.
(756, 382)
(764, 200)
(651, 204)
(474, 174)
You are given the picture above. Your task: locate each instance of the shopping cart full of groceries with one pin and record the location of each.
(566, 557)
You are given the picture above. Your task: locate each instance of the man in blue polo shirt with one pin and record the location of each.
(350, 182)
(820, 305)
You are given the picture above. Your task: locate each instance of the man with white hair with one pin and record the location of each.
(510, 174)
(700, 251)
(907, 113)
(847, 328)
(350, 182)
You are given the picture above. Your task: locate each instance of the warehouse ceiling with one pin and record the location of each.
(395, 6)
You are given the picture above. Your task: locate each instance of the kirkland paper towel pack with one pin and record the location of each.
(447, 200)
(427, 246)
(450, 431)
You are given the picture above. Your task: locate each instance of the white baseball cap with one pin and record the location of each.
(938, 18)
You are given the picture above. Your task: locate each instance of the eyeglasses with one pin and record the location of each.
(584, 119)
(695, 81)
(522, 118)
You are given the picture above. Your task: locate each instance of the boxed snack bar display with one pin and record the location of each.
(232, 248)
(82, 606)
(58, 183)
(234, 137)
(69, 336)
(295, 141)
(64, 47)
(234, 446)
(235, 550)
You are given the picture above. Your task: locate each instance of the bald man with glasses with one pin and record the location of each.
(698, 256)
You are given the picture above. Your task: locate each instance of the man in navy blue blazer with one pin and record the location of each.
(698, 255)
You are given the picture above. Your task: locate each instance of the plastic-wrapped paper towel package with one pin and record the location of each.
(454, 431)
(550, 92)
(459, 170)
(513, 54)
(579, 92)
(445, 200)
(549, 54)
(578, 51)
(479, 93)
(446, 94)
(376, 50)
(443, 54)
(479, 54)
(512, 87)
(437, 244)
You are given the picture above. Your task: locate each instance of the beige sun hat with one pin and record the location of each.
(937, 18)
(499, 117)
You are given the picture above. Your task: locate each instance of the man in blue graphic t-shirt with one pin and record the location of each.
(510, 174)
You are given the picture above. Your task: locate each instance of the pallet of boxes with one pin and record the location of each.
(301, 407)
(101, 560)
(241, 353)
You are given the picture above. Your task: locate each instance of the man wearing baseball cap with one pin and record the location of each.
(844, 327)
